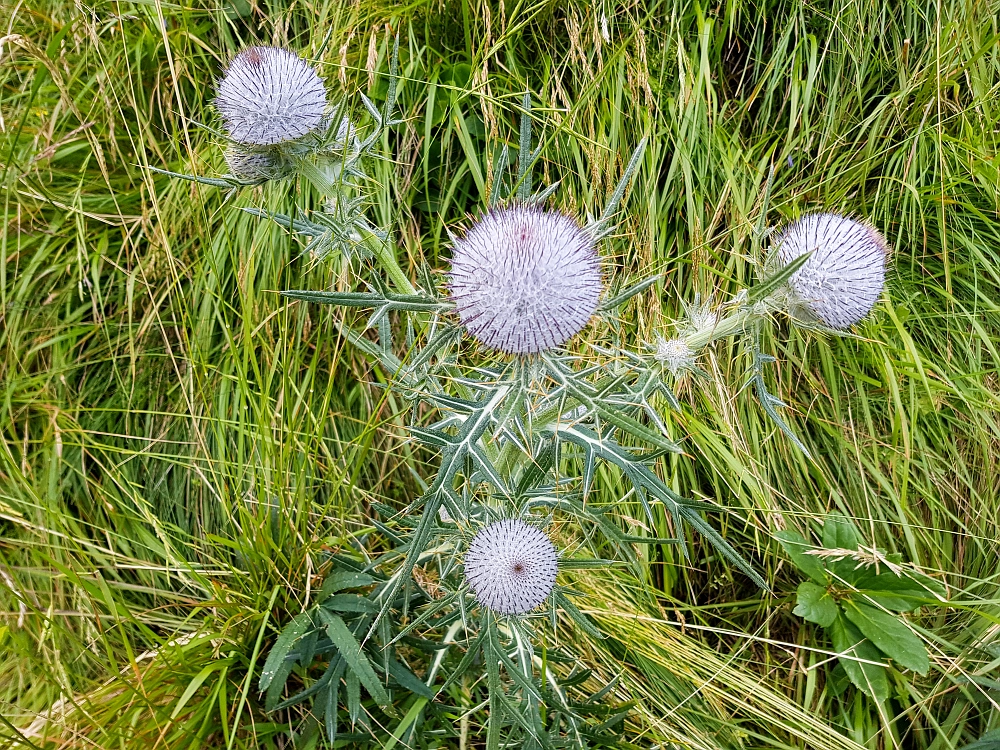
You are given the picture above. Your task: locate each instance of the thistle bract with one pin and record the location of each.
(675, 354)
(525, 279)
(256, 166)
(843, 278)
(270, 95)
(511, 566)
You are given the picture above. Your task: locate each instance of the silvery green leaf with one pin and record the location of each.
(286, 639)
(357, 661)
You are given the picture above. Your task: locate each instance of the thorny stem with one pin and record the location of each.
(387, 259)
(326, 184)
(731, 325)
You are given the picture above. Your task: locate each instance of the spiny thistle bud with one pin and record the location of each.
(843, 278)
(256, 166)
(524, 279)
(270, 95)
(674, 354)
(511, 566)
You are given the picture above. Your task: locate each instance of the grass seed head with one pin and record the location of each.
(511, 566)
(525, 279)
(844, 276)
(270, 95)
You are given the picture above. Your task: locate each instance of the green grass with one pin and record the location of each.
(181, 446)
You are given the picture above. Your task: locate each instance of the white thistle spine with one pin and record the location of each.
(525, 280)
(511, 566)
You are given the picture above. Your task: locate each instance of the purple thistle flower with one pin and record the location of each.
(524, 279)
(511, 566)
(270, 95)
(844, 276)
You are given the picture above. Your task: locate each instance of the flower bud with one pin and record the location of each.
(256, 166)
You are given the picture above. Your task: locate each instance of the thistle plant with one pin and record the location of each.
(519, 411)
(843, 278)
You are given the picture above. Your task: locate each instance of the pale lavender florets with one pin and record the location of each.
(511, 566)
(843, 278)
(270, 95)
(525, 279)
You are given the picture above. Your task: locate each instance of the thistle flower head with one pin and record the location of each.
(256, 166)
(675, 354)
(525, 279)
(270, 95)
(844, 276)
(511, 566)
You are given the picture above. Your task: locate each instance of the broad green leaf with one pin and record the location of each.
(287, 638)
(899, 593)
(350, 603)
(357, 661)
(839, 533)
(890, 634)
(339, 580)
(796, 547)
(931, 585)
(989, 741)
(815, 604)
(856, 656)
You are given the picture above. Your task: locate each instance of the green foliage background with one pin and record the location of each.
(180, 445)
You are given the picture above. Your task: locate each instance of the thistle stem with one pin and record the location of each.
(387, 259)
(327, 184)
(731, 325)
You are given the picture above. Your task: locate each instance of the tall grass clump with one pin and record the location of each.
(654, 408)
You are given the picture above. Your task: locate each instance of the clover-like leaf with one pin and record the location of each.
(816, 605)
